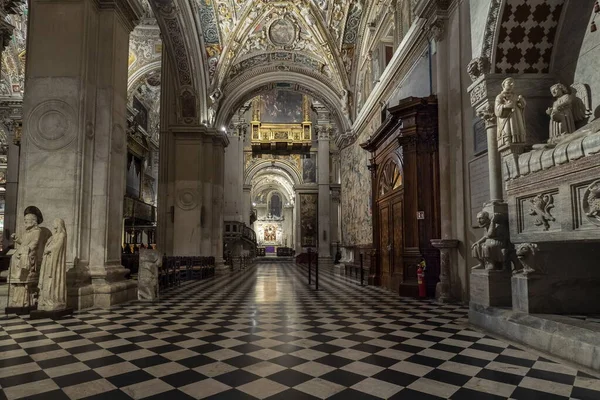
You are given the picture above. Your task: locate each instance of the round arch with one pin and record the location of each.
(242, 89)
(141, 73)
(273, 166)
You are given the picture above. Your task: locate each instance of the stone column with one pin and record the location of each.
(206, 224)
(234, 181)
(11, 220)
(324, 224)
(73, 151)
(247, 204)
(443, 290)
(494, 165)
(187, 190)
(219, 143)
(298, 221)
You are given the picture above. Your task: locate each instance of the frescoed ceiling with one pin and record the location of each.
(314, 35)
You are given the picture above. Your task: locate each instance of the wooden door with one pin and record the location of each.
(397, 226)
(384, 235)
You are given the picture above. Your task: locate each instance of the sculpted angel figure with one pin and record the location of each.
(53, 271)
(566, 110)
(491, 249)
(510, 110)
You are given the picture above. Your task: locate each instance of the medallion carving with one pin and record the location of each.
(52, 125)
(282, 32)
(591, 203)
(187, 199)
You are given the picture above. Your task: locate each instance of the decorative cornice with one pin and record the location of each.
(130, 11)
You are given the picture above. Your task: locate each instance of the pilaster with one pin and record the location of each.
(73, 150)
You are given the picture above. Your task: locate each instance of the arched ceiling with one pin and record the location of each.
(314, 35)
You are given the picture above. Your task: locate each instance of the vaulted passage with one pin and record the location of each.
(264, 333)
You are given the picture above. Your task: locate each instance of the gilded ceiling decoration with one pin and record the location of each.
(314, 35)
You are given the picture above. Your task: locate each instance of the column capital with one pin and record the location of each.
(486, 113)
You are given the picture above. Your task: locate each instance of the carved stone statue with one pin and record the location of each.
(526, 254)
(493, 248)
(510, 109)
(150, 262)
(23, 273)
(565, 112)
(53, 271)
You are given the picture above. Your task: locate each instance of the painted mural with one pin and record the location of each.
(308, 219)
(356, 195)
(309, 168)
(281, 107)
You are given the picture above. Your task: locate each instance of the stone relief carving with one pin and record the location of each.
(187, 199)
(510, 110)
(540, 208)
(527, 259)
(477, 67)
(493, 249)
(591, 203)
(52, 125)
(566, 111)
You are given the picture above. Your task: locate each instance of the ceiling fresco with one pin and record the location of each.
(313, 35)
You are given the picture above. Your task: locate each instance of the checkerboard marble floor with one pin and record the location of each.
(263, 333)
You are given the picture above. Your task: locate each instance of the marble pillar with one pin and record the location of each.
(324, 221)
(208, 165)
(445, 244)
(187, 190)
(12, 186)
(297, 228)
(218, 198)
(247, 204)
(73, 149)
(234, 181)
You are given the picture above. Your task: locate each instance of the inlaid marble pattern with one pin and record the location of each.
(264, 333)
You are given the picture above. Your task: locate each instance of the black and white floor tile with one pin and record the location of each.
(263, 333)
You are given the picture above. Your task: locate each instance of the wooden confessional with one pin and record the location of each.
(405, 195)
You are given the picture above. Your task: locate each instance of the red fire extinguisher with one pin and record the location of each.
(421, 279)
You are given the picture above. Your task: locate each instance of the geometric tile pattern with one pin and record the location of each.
(526, 36)
(263, 333)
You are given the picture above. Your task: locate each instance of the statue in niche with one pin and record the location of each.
(493, 248)
(25, 260)
(566, 111)
(540, 207)
(53, 270)
(510, 110)
(150, 262)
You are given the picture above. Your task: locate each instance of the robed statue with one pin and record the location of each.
(53, 271)
(492, 249)
(566, 111)
(510, 110)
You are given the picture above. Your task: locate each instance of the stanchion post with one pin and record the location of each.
(309, 265)
(362, 271)
(317, 272)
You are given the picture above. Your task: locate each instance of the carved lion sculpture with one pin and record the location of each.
(526, 254)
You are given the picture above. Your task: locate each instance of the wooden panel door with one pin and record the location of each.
(384, 243)
(397, 232)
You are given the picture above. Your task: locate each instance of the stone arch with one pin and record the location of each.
(182, 44)
(273, 166)
(243, 89)
(141, 73)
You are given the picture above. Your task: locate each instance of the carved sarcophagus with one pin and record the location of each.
(553, 194)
